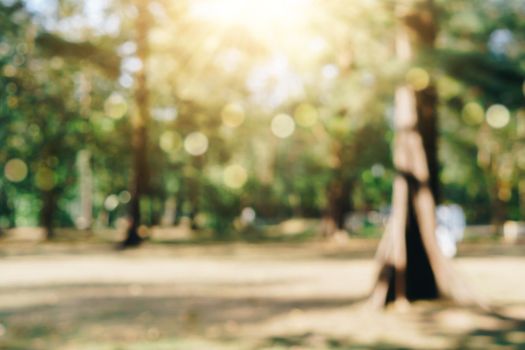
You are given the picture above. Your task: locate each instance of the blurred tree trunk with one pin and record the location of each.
(412, 266)
(7, 209)
(140, 128)
(338, 194)
(85, 220)
(498, 208)
(193, 183)
(339, 206)
(426, 102)
(179, 203)
(521, 193)
(48, 213)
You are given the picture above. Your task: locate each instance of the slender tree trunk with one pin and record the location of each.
(499, 207)
(193, 199)
(412, 266)
(179, 204)
(140, 128)
(521, 191)
(85, 219)
(48, 213)
(7, 209)
(339, 205)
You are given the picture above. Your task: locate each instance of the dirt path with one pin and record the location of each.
(240, 297)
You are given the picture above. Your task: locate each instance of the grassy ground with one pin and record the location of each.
(242, 296)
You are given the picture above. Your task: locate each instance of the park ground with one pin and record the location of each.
(304, 295)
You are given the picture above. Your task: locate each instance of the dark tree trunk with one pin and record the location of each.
(339, 205)
(179, 204)
(412, 266)
(427, 100)
(140, 128)
(47, 214)
(342, 205)
(193, 199)
(7, 209)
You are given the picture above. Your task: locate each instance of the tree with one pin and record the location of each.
(483, 105)
(140, 122)
(413, 267)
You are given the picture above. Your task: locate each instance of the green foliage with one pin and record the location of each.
(70, 91)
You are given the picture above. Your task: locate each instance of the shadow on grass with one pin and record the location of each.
(314, 341)
(471, 250)
(508, 338)
(131, 318)
(491, 329)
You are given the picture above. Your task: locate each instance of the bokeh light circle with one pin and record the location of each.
(170, 141)
(115, 106)
(418, 78)
(233, 115)
(45, 178)
(283, 126)
(196, 143)
(235, 176)
(124, 197)
(15, 170)
(111, 202)
(498, 116)
(473, 113)
(306, 115)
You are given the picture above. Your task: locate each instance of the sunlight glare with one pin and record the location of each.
(255, 15)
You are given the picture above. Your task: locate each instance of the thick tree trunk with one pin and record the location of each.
(427, 100)
(140, 128)
(412, 266)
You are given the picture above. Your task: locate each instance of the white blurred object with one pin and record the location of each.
(513, 231)
(248, 216)
(450, 228)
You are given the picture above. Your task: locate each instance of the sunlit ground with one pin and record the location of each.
(242, 296)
